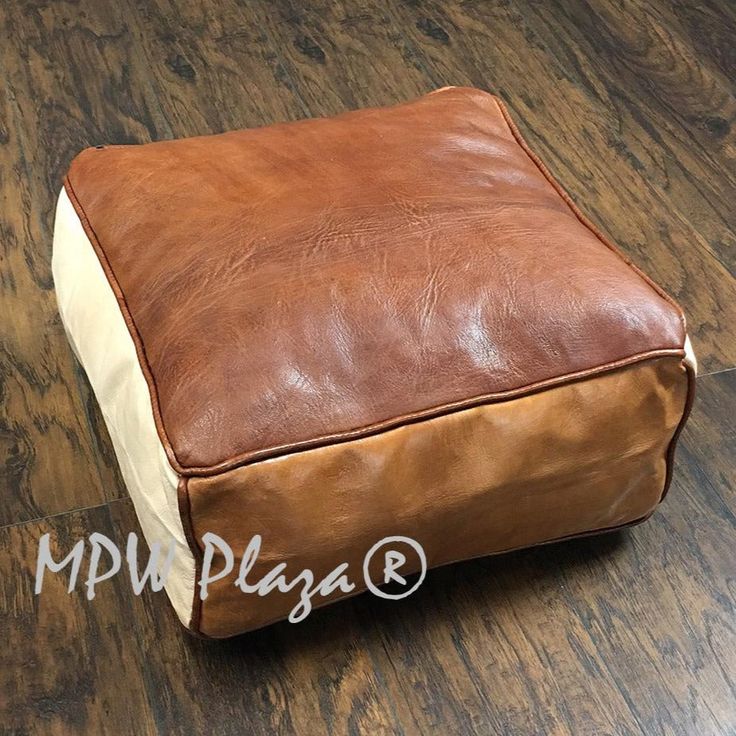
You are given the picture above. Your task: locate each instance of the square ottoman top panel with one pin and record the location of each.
(310, 282)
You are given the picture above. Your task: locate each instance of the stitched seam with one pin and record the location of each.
(514, 130)
(670, 455)
(185, 511)
(129, 322)
(669, 461)
(182, 486)
(427, 414)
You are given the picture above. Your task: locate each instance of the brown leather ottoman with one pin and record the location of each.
(328, 332)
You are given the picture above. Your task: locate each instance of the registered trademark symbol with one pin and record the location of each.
(393, 560)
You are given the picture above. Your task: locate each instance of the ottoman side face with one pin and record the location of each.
(317, 281)
(581, 457)
(101, 341)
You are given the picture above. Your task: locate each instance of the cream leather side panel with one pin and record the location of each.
(100, 338)
(690, 358)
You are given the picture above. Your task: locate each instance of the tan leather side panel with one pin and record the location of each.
(576, 458)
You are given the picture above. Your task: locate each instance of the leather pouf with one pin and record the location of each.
(390, 322)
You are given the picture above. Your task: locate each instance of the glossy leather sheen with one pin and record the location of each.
(318, 281)
(580, 457)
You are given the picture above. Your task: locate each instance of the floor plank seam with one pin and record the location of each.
(38, 519)
(717, 373)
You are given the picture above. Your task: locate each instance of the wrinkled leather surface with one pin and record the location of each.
(580, 457)
(304, 280)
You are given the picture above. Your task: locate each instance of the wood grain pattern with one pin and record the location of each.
(632, 106)
(55, 452)
(68, 665)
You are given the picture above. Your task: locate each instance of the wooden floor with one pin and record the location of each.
(632, 106)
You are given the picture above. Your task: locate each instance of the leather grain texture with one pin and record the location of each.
(316, 281)
(581, 457)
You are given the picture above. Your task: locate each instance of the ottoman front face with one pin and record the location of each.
(391, 322)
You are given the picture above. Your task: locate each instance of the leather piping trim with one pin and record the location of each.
(426, 414)
(185, 511)
(514, 130)
(130, 323)
(252, 456)
(689, 400)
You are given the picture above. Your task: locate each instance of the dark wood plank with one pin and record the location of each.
(643, 52)
(710, 28)
(69, 665)
(211, 67)
(54, 452)
(342, 56)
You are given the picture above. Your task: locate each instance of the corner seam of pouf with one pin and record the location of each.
(582, 218)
